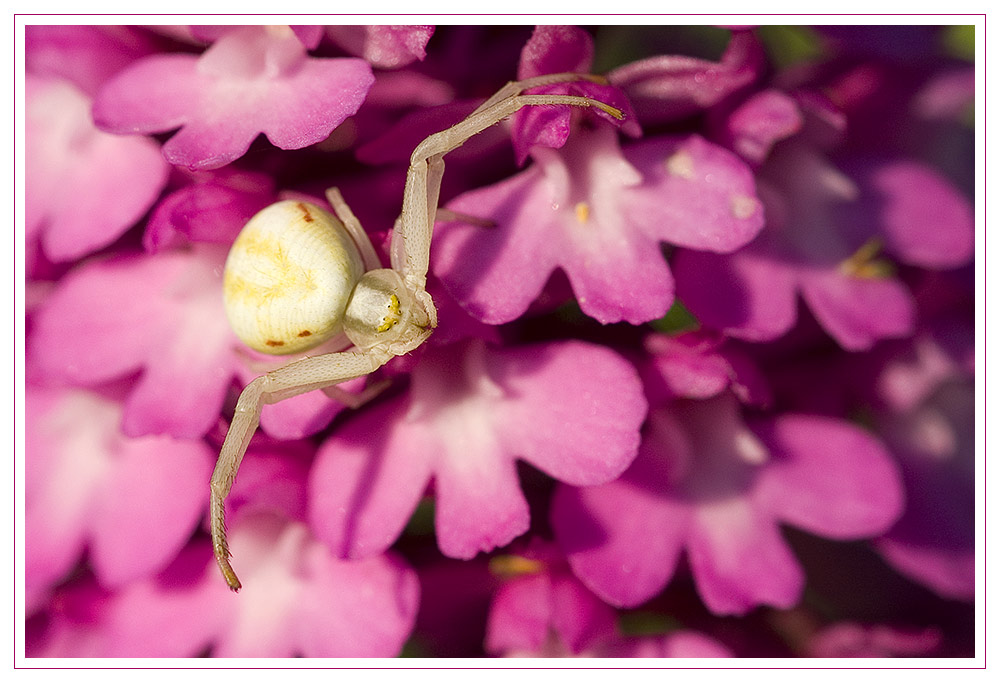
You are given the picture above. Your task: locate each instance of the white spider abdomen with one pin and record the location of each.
(289, 276)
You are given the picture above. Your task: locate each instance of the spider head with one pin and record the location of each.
(383, 313)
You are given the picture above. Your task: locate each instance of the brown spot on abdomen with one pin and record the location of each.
(271, 342)
(305, 333)
(308, 217)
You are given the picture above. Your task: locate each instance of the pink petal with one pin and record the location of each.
(477, 265)
(740, 560)
(668, 87)
(520, 615)
(761, 121)
(747, 295)
(148, 506)
(570, 388)
(950, 572)
(858, 311)
(367, 480)
(78, 209)
(694, 194)
(623, 539)
(479, 501)
(162, 314)
(927, 222)
(828, 477)
(387, 47)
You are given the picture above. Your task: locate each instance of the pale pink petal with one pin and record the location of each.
(148, 506)
(367, 480)
(84, 200)
(602, 408)
(761, 121)
(162, 314)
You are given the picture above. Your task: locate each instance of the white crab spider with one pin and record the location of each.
(297, 276)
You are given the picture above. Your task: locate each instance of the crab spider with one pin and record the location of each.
(297, 276)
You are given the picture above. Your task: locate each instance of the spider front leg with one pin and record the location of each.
(295, 378)
(412, 236)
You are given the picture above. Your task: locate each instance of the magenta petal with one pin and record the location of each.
(479, 501)
(477, 264)
(149, 506)
(746, 295)
(580, 618)
(740, 560)
(694, 194)
(828, 477)
(761, 121)
(520, 615)
(387, 47)
(623, 539)
(367, 479)
(948, 571)
(571, 388)
(926, 221)
(858, 311)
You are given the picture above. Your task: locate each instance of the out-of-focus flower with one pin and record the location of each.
(928, 419)
(84, 188)
(212, 207)
(669, 87)
(717, 485)
(598, 212)
(252, 80)
(569, 408)
(161, 315)
(854, 640)
(387, 47)
(824, 238)
(538, 599)
(306, 603)
(132, 503)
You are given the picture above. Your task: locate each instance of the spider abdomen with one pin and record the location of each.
(288, 278)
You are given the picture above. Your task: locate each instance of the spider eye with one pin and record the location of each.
(392, 317)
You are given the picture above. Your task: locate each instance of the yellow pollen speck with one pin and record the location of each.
(864, 262)
(582, 210)
(511, 566)
(742, 206)
(681, 164)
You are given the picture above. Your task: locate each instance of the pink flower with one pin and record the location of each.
(570, 409)
(848, 639)
(131, 502)
(598, 212)
(160, 315)
(251, 80)
(303, 602)
(716, 485)
(84, 188)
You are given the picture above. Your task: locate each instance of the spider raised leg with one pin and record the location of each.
(298, 276)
